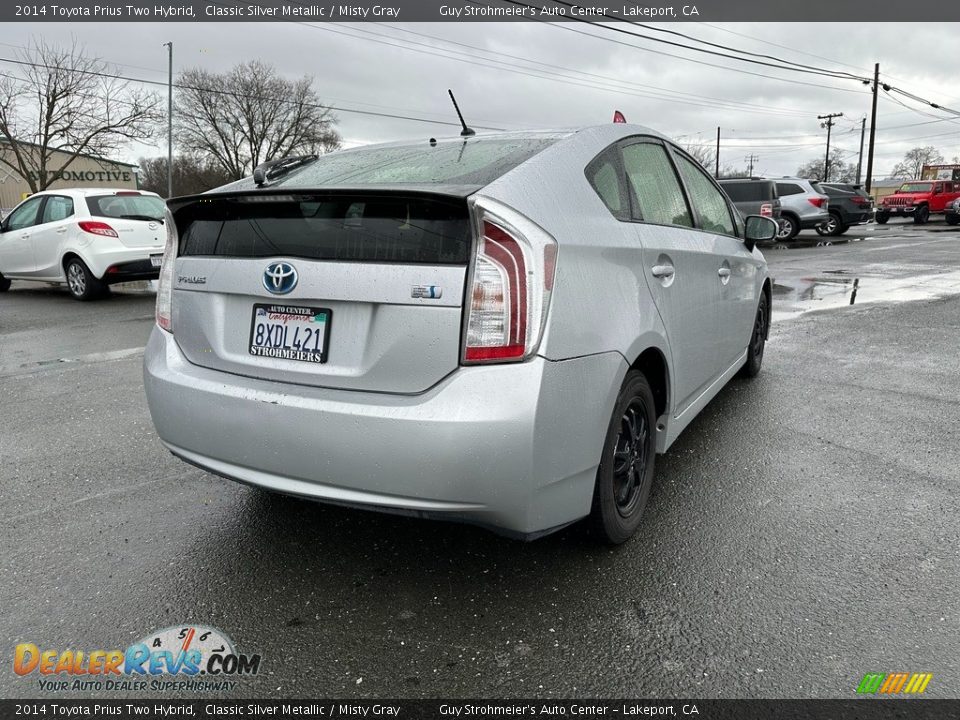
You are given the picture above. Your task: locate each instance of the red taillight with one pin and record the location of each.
(766, 210)
(95, 227)
(513, 274)
(817, 201)
(500, 294)
(123, 193)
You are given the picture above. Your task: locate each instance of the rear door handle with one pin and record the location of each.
(724, 272)
(662, 271)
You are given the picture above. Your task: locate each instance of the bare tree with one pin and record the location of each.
(702, 153)
(914, 160)
(840, 171)
(67, 104)
(191, 175)
(250, 115)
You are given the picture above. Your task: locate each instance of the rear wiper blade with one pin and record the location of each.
(141, 217)
(274, 169)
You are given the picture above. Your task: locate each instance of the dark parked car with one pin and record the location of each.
(952, 213)
(753, 196)
(849, 205)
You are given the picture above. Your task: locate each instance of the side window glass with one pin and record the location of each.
(25, 215)
(712, 208)
(57, 208)
(654, 187)
(604, 178)
(788, 189)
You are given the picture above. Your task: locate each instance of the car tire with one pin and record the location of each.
(80, 281)
(832, 227)
(789, 227)
(921, 216)
(882, 218)
(625, 475)
(758, 339)
(953, 219)
(4, 283)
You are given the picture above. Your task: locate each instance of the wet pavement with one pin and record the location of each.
(804, 530)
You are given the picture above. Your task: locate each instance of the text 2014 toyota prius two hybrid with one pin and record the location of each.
(502, 329)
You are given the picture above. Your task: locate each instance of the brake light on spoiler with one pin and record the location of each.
(511, 282)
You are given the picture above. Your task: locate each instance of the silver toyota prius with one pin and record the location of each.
(500, 329)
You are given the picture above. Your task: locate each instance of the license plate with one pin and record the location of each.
(156, 260)
(290, 332)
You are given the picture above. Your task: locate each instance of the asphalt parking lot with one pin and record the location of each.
(803, 531)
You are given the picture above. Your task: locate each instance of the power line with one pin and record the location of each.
(214, 91)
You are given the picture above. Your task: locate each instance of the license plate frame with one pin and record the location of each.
(303, 317)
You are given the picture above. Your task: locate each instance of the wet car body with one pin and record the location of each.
(434, 392)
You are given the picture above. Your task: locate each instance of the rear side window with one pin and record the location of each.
(129, 207)
(712, 208)
(654, 187)
(477, 161)
(604, 177)
(58, 207)
(349, 227)
(749, 191)
(789, 189)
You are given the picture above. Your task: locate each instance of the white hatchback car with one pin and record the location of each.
(88, 239)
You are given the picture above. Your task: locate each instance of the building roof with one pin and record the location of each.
(4, 141)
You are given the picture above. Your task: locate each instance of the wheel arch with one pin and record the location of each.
(652, 362)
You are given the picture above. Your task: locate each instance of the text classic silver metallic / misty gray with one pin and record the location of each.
(501, 329)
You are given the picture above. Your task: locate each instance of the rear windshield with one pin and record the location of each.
(130, 207)
(478, 161)
(360, 228)
(749, 191)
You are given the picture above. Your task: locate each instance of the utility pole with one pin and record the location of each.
(828, 124)
(169, 46)
(716, 172)
(751, 159)
(863, 128)
(873, 126)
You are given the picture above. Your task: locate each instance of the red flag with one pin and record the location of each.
(618, 117)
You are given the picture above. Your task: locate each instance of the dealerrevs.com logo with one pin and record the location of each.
(180, 657)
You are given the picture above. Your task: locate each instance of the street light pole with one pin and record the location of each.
(828, 124)
(169, 46)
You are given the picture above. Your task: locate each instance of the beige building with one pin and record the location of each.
(84, 172)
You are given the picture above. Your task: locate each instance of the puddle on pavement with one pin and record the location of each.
(834, 289)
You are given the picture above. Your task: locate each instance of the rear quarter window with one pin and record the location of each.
(789, 189)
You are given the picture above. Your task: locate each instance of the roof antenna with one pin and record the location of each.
(466, 132)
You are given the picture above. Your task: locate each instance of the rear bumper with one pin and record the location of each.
(131, 270)
(811, 221)
(511, 447)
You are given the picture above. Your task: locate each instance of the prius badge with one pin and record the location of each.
(280, 278)
(431, 292)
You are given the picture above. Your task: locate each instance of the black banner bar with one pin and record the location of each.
(872, 708)
(474, 11)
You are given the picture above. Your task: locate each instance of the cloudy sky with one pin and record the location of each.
(530, 74)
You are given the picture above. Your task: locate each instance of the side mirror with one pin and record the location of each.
(759, 229)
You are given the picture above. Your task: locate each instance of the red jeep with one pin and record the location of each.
(920, 199)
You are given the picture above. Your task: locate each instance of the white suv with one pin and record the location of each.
(803, 206)
(88, 239)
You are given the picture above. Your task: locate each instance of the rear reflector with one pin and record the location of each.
(95, 227)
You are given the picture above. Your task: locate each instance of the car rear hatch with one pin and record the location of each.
(352, 289)
(135, 217)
